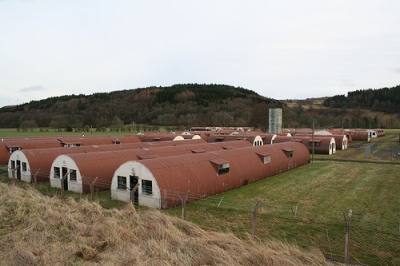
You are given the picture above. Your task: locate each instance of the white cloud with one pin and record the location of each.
(32, 89)
(280, 49)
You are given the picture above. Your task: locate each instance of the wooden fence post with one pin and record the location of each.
(255, 218)
(13, 176)
(92, 188)
(184, 204)
(35, 178)
(133, 194)
(294, 211)
(347, 219)
(62, 184)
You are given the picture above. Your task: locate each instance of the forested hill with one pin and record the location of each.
(178, 105)
(382, 100)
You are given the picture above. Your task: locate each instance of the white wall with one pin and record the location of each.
(69, 163)
(25, 175)
(137, 169)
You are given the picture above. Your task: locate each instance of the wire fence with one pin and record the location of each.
(359, 239)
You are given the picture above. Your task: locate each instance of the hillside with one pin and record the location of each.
(380, 100)
(178, 105)
(186, 105)
(38, 230)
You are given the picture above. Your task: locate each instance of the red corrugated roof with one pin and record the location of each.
(197, 174)
(104, 164)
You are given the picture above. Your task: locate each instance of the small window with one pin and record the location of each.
(24, 168)
(223, 169)
(121, 182)
(289, 152)
(222, 166)
(56, 172)
(72, 175)
(316, 143)
(267, 159)
(147, 187)
(12, 164)
(14, 149)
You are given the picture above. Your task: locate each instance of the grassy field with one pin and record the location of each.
(322, 192)
(40, 230)
(15, 133)
(306, 206)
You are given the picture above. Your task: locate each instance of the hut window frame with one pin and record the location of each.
(147, 187)
(316, 143)
(121, 182)
(24, 167)
(289, 153)
(266, 159)
(12, 164)
(223, 168)
(72, 175)
(57, 172)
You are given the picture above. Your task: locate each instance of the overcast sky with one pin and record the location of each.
(279, 49)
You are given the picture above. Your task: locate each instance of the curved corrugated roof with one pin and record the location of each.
(268, 138)
(322, 143)
(281, 138)
(145, 137)
(359, 135)
(56, 141)
(24, 144)
(104, 164)
(198, 173)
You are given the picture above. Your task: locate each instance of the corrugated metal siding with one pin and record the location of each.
(197, 174)
(104, 164)
(323, 142)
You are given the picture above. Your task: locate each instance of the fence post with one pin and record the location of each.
(255, 218)
(184, 204)
(13, 176)
(347, 237)
(294, 211)
(62, 184)
(35, 178)
(133, 194)
(92, 188)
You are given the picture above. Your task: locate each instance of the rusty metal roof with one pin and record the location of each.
(197, 174)
(103, 164)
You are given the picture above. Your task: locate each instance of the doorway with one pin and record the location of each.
(133, 181)
(64, 172)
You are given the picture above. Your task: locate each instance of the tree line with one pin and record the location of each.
(382, 100)
(182, 106)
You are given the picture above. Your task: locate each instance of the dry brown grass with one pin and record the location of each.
(38, 230)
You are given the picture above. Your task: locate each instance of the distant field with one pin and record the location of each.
(14, 133)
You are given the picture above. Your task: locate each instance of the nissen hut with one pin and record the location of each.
(322, 145)
(24, 164)
(163, 181)
(8, 146)
(82, 168)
